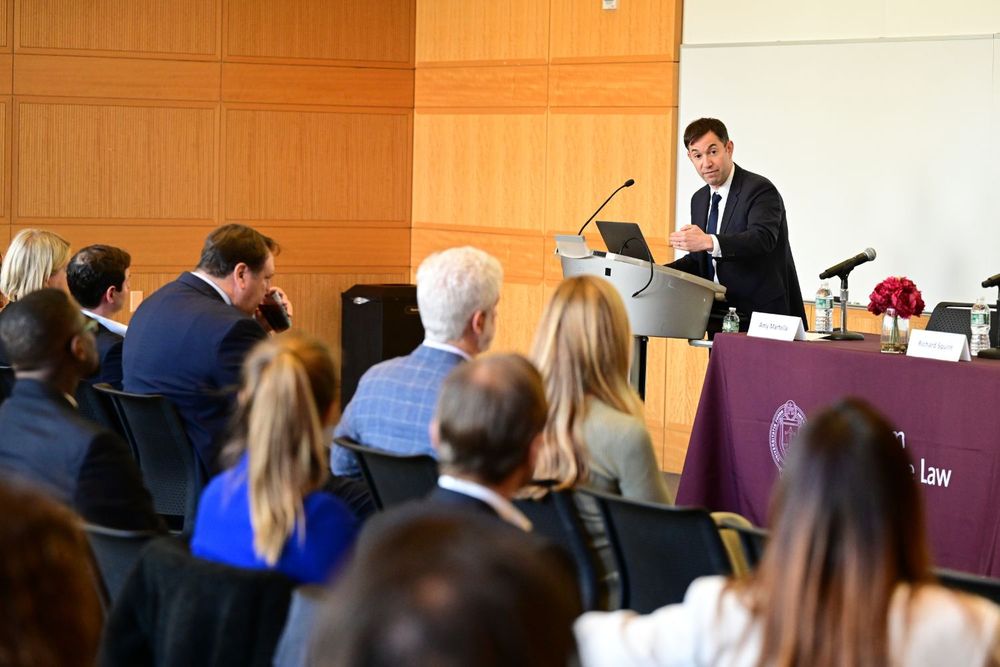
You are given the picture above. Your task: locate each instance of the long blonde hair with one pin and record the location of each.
(288, 388)
(34, 256)
(583, 349)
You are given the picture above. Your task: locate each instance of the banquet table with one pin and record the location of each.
(758, 392)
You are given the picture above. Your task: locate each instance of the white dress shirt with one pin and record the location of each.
(112, 325)
(723, 191)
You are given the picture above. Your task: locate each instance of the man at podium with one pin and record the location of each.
(738, 234)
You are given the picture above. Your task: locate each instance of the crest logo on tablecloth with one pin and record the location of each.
(787, 421)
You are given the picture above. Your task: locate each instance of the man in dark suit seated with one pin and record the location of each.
(44, 441)
(738, 234)
(438, 589)
(187, 341)
(488, 430)
(98, 278)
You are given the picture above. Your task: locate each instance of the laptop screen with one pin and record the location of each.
(624, 238)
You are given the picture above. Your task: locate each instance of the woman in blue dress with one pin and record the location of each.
(268, 511)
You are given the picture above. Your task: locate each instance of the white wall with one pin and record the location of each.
(736, 21)
(889, 143)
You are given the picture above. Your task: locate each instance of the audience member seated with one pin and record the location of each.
(596, 434)
(48, 596)
(448, 591)
(188, 340)
(45, 441)
(457, 294)
(845, 578)
(98, 278)
(36, 258)
(487, 430)
(267, 511)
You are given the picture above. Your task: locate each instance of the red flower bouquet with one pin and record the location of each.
(899, 293)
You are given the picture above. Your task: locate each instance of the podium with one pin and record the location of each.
(661, 302)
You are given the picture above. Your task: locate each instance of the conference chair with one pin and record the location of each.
(115, 552)
(170, 468)
(393, 479)
(556, 517)
(953, 317)
(175, 609)
(7, 380)
(660, 549)
(748, 538)
(970, 583)
(99, 408)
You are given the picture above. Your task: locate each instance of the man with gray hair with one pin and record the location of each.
(457, 294)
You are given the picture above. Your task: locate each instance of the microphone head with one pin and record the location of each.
(870, 253)
(630, 182)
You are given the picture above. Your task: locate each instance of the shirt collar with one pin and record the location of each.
(500, 505)
(723, 189)
(447, 347)
(112, 325)
(222, 293)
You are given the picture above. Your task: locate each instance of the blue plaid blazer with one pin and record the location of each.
(393, 406)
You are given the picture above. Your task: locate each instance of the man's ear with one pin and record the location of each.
(478, 322)
(240, 272)
(109, 294)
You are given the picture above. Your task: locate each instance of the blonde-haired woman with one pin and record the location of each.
(36, 258)
(268, 511)
(595, 434)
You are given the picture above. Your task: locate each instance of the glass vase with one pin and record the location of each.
(895, 333)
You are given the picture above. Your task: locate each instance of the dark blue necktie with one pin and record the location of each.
(711, 228)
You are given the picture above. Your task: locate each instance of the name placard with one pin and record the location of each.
(776, 327)
(938, 345)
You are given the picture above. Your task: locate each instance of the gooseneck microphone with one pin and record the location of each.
(848, 265)
(627, 184)
(992, 281)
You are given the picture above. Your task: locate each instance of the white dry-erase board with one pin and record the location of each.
(888, 143)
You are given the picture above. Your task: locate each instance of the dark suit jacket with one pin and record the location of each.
(186, 343)
(756, 265)
(109, 350)
(447, 499)
(176, 609)
(46, 443)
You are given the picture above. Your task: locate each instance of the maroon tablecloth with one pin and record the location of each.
(757, 391)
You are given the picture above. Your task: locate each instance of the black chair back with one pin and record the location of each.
(170, 468)
(7, 380)
(393, 479)
(176, 609)
(953, 317)
(555, 516)
(116, 552)
(970, 583)
(660, 549)
(98, 407)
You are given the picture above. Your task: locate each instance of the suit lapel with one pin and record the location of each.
(700, 212)
(732, 200)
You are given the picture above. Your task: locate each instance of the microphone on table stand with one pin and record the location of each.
(842, 270)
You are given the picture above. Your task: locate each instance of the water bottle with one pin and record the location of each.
(823, 312)
(979, 322)
(731, 322)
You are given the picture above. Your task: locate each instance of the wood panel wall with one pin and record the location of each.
(146, 124)
(527, 115)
